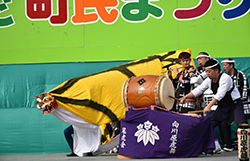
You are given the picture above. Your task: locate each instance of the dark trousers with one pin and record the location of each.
(68, 136)
(225, 128)
(216, 129)
(238, 112)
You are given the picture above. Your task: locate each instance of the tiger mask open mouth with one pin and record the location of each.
(46, 103)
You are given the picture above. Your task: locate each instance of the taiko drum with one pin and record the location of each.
(147, 90)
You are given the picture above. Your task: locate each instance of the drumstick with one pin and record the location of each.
(198, 66)
(180, 79)
(173, 98)
(171, 70)
(199, 111)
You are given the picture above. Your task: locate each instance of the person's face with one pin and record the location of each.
(211, 73)
(202, 60)
(227, 67)
(185, 63)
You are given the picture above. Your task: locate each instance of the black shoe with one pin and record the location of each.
(71, 155)
(88, 154)
(211, 152)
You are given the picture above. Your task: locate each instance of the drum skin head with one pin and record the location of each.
(167, 90)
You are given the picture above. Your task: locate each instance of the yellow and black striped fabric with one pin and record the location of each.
(97, 98)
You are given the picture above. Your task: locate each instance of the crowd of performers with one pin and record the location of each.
(228, 101)
(223, 96)
(229, 98)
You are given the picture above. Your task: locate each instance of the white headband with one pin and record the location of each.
(228, 61)
(212, 65)
(202, 55)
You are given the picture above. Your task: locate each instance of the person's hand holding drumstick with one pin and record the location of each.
(189, 95)
(207, 109)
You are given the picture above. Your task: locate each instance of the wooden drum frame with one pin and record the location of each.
(146, 90)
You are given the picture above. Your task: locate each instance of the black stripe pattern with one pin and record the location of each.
(89, 103)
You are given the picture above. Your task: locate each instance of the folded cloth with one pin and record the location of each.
(160, 134)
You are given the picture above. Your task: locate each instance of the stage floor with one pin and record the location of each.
(225, 156)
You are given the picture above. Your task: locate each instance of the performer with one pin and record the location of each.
(182, 83)
(68, 132)
(82, 146)
(197, 77)
(225, 93)
(92, 133)
(241, 82)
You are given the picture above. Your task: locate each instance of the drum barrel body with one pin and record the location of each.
(141, 92)
(147, 90)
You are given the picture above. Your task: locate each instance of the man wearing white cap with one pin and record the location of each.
(241, 82)
(230, 106)
(199, 75)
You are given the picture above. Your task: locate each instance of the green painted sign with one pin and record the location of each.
(48, 31)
